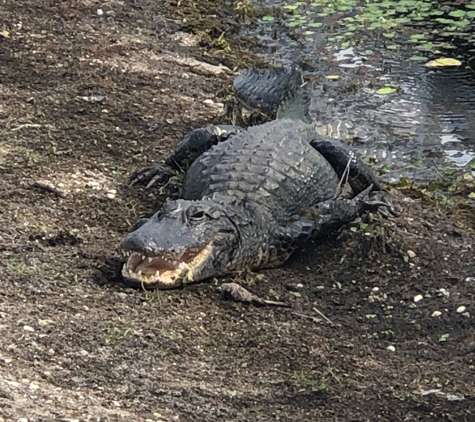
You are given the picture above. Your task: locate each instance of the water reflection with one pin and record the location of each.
(427, 125)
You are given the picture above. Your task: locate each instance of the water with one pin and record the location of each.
(427, 126)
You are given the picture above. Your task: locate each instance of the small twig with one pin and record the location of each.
(314, 319)
(344, 177)
(324, 317)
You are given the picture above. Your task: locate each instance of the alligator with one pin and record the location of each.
(250, 196)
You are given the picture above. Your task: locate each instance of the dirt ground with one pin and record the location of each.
(88, 97)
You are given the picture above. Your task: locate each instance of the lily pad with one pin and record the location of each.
(268, 18)
(418, 58)
(457, 13)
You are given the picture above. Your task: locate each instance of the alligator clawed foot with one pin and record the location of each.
(151, 175)
(381, 202)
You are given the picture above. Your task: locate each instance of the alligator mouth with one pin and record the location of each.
(164, 271)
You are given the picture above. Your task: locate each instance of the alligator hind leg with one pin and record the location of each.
(191, 146)
(334, 213)
(346, 163)
(325, 217)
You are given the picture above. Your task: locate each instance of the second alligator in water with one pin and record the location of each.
(250, 196)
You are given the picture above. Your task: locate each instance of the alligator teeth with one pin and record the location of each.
(139, 273)
(157, 273)
(143, 257)
(174, 263)
(150, 260)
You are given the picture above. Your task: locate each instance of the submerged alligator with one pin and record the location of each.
(250, 196)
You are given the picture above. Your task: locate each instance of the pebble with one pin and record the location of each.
(461, 309)
(28, 328)
(436, 314)
(444, 292)
(418, 298)
(391, 348)
(411, 254)
(99, 12)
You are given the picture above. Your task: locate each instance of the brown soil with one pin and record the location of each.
(79, 345)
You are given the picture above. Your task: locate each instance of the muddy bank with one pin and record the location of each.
(85, 99)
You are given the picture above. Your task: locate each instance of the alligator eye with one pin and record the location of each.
(198, 215)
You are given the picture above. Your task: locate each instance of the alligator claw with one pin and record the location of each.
(151, 175)
(381, 202)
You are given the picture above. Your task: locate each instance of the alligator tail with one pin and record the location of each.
(275, 90)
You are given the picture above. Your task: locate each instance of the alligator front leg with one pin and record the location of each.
(347, 163)
(191, 146)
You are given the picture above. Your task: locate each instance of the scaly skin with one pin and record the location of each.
(249, 198)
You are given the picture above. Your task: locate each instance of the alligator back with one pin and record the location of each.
(271, 165)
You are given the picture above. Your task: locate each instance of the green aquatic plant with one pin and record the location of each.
(390, 19)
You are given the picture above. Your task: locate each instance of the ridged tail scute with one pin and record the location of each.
(272, 90)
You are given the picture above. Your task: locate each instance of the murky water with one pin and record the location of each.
(418, 132)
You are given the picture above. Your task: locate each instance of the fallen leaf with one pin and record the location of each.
(386, 90)
(444, 62)
(5, 33)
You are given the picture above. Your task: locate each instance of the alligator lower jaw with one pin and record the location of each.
(165, 271)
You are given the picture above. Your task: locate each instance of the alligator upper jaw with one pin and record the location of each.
(166, 270)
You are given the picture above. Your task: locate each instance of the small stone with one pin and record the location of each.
(391, 348)
(418, 298)
(436, 314)
(13, 384)
(461, 309)
(208, 102)
(411, 254)
(28, 328)
(444, 292)
(375, 289)
(99, 12)
(170, 121)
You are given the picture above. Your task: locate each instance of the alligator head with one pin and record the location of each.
(185, 241)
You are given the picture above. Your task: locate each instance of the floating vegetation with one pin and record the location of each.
(386, 90)
(429, 25)
(444, 62)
